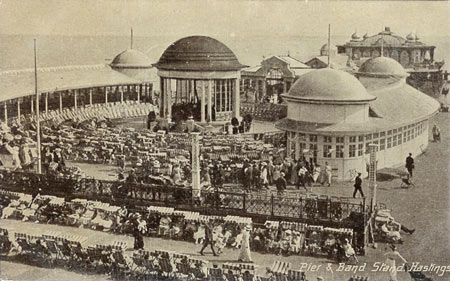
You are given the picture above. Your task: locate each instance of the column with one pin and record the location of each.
(192, 95)
(18, 110)
(203, 103)
(219, 95)
(162, 98)
(6, 112)
(195, 164)
(32, 104)
(75, 99)
(373, 174)
(209, 100)
(297, 148)
(264, 92)
(60, 101)
(236, 99)
(226, 95)
(46, 102)
(121, 92)
(90, 96)
(106, 95)
(284, 87)
(139, 92)
(169, 99)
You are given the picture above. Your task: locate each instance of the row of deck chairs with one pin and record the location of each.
(101, 111)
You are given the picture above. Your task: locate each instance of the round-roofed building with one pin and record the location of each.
(201, 75)
(333, 117)
(137, 65)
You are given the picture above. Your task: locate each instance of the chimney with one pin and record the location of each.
(387, 29)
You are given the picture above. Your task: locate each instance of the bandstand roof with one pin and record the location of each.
(198, 53)
(20, 83)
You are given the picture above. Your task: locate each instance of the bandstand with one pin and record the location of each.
(200, 76)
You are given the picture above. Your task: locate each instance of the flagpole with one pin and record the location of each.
(38, 123)
(329, 43)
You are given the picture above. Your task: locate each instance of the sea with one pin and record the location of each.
(16, 51)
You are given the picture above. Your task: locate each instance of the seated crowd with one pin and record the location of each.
(272, 237)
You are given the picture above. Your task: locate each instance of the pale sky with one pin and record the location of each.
(221, 18)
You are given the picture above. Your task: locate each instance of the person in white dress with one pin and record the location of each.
(244, 254)
(391, 262)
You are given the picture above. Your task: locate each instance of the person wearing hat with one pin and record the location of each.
(358, 186)
(244, 254)
(281, 184)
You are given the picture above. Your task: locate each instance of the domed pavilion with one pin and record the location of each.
(199, 75)
(334, 116)
(136, 65)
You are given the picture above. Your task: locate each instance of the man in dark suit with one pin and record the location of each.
(358, 186)
(410, 165)
(208, 240)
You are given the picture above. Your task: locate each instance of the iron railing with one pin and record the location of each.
(305, 208)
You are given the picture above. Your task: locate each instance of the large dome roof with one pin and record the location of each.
(383, 66)
(329, 85)
(198, 53)
(131, 59)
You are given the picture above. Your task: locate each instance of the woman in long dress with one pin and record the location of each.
(390, 261)
(244, 254)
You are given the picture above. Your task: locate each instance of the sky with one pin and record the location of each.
(221, 18)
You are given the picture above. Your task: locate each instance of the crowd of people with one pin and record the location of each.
(218, 232)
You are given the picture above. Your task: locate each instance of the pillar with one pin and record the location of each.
(195, 164)
(90, 96)
(106, 95)
(209, 100)
(169, 99)
(219, 95)
(18, 110)
(373, 174)
(226, 95)
(121, 92)
(236, 99)
(6, 112)
(139, 92)
(46, 102)
(60, 101)
(75, 99)
(264, 91)
(297, 148)
(192, 95)
(203, 103)
(32, 104)
(284, 87)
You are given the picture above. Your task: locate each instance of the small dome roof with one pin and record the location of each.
(131, 59)
(355, 36)
(324, 49)
(198, 53)
(410, 37)
(383, 66)
(329, 85)
(417, 37)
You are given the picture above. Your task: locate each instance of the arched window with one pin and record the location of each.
(275, 73)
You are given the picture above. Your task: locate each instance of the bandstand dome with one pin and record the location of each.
(198, 53)
(383, 66)
(329, 85)
(131, 59)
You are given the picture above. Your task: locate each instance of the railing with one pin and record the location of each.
(303, 208)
